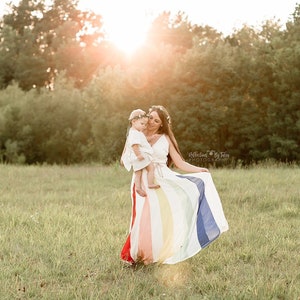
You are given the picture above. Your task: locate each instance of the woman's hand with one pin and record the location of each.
(180, 163)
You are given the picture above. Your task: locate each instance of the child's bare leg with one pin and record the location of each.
(138, 183)
(150, 175)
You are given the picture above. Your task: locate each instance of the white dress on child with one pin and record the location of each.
(129, 159)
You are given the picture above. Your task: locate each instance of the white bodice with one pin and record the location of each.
(160, 150)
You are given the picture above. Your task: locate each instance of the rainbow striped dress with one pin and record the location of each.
(176, 221)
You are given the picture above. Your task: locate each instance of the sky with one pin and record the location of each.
(223, 15)
(135, 16)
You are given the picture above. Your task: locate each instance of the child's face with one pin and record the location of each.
(140, 124)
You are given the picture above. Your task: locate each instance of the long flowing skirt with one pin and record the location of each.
(174, 222)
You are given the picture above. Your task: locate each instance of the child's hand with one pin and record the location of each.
(140, 157)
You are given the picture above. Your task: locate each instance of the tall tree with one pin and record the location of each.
(284, 111)
(50, 37)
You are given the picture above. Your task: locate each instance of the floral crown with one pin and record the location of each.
(137, 114)
(138, 117)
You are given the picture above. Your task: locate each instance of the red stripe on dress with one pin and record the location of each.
(125, 253)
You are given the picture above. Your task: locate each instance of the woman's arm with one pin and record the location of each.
(180, 163)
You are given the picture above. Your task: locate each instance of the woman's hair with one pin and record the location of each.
(166, 127)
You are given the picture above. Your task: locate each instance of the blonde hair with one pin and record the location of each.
(137, 114)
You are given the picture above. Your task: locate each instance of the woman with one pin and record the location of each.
(184, 215)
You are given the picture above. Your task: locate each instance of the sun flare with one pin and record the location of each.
(127, 34)
(125, 24)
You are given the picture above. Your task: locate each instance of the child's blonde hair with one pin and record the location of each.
(137, 114)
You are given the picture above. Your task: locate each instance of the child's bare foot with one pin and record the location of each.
(153, 186)
(141, 192)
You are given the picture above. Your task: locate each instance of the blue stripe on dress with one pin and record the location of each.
(207, 228)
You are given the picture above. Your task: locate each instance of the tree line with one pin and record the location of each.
(66, 92)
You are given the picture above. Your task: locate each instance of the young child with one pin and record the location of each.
(138, 152)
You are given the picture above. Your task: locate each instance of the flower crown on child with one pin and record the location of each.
(137, 114)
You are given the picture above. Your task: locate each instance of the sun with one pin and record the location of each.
(127, 33)
(125, 23)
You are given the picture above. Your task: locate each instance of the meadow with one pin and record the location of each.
(62, 229)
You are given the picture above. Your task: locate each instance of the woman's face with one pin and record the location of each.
(154, 122)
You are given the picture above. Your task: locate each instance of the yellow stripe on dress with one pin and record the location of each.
(167, 226)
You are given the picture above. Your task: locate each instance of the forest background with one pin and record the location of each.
(66, 92)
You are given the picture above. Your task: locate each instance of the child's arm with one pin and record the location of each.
(137, 152)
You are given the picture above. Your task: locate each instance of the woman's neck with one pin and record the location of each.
(148, 132)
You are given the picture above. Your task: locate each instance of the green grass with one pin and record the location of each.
(62, 229)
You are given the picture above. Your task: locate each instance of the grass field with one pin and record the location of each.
(62, 229)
